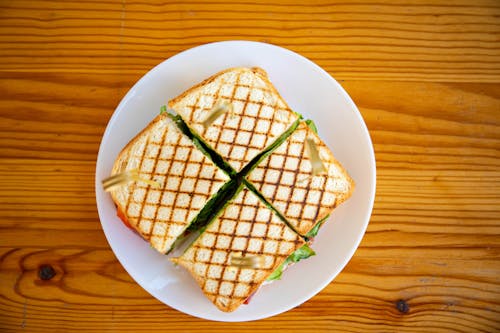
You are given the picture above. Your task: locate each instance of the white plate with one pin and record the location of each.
(309, 90)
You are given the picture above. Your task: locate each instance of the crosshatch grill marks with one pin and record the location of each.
(227, 267)
(322, 193)
(244, 227)
(219, 128)
(196, 106)
(164, 184)
(244, 252)
(255, 103)
(252, 133)
(193, 108)
(154, 222)
(275, 105)
(163, 136)
(192, 114)
(296, 173)
(212, 254)
(285, 179)
(210, 187)
(267, 225)
(174, 204)
(133, 185)
(189, 180)
(231, 147)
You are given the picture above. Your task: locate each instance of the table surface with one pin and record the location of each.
(424, 74)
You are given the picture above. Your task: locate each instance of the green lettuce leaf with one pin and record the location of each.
(205, 148)
(215, 205)
(269, 150)
(312, 125)
(303, 252)
(314, 231)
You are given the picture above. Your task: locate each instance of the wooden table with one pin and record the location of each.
(425, 76)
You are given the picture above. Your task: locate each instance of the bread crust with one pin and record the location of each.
(117, 168)
(257, 70)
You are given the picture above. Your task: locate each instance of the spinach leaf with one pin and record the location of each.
(303, 252)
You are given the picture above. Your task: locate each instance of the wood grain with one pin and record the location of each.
(424, 74)
(415, 40)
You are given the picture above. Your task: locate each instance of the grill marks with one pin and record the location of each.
(174, 204)
(310, 198)
(178, 154)
(238, 128)
(296, 173)
(163, 192)
(226, 286)
(155, 166)
(231, 99)
(259, 95)
(134, 185)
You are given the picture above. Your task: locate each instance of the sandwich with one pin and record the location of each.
(302, 180)
(245, 230)
(174, 180)
(238, 112)
(230, 160)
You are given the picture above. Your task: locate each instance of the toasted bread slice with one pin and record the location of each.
(258, 117)
(285, 179)
(187, 180)
(246, 227)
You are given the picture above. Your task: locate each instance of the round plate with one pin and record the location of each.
(309, 90)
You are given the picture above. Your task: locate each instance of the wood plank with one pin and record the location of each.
(366, 40)
(92, 292)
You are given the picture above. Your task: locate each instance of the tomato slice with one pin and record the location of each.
(249, 298)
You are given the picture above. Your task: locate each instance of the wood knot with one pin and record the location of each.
(46, 272)
(402, 306)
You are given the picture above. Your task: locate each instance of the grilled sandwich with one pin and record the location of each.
(238, 112)
(185, 182)
(239, 250)
(283, 182)
(288, 180)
